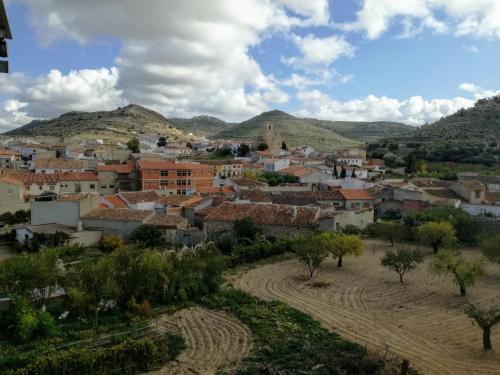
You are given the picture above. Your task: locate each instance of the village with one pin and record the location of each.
(90, 189)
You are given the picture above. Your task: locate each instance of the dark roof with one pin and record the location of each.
(266, 214)
(4, 22)
(294, 198)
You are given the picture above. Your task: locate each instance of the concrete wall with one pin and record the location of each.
(479, 209)
(62, 212)
(121, 228)
(85, 238)
(405, 194)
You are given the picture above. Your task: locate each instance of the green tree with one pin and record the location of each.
(225, 243)
(389, 231)
(465, 273)
(189, 144)
(246, 228)
(341, 245)
(436, 234)
(485, 319)
(311, 250)
(133, 145)
(110, 243)
(146, 235)
(243, 150)
(162, 142)
(490, 248)
(402, 261)
(262, 146)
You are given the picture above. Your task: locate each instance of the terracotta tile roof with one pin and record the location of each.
(73, 197)
(10, 180)
(134, 197)
(484, 179)
(432, 183)
(492, 197)
(169, 165)
(114, 201)
(443, 193)
(117, 168)
(9, 153)
(117, 214)
(295, 198)
(355, 194)
(61, 164)
(376, 162)
(174, 200)
(298, 171)
(214, 189)
(36, 178)
(265, 214)
(167, 221)
(78, 176)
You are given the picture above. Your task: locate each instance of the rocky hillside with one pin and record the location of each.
(481, 122)
(320, 134)
(119, 125)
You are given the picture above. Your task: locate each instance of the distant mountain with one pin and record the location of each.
(201, 125)
(480, 123)
(320, 134)
(121, 124)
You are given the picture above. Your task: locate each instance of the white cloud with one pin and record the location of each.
(184, 57)
(471, 49)
(320, 51)
(12, 115)
(412, 111)
(478, 18)
(478, 91)
(81, 90)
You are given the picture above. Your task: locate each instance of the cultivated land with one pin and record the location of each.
(215, 341)
(365, 303)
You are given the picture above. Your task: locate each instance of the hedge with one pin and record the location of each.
(127, 357)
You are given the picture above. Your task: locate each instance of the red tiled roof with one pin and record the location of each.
(117, 214)
(9, 152)
(117, 168)
(78, 176)
(10, 180)
(168, 165)
(36, 178)
(134, 197)
(214, 189)
(265, 214)
(61, 164)
(167, 221)
(115, 201)
(73, 197)
(298, 171)
(355, 194)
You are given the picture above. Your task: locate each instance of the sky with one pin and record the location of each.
(411, 61)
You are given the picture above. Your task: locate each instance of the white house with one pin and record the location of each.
(276, 165)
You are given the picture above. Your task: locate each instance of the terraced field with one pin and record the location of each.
(216, 342)
(421, 320)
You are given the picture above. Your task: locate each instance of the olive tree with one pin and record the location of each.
(402, 261)
(389, 231)
(436, 234)
(341, 245)
(491, 248)
(465, 273)
(311, 250)
(485, 319)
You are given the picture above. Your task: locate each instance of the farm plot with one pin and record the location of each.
(421, 320)
(215, 341)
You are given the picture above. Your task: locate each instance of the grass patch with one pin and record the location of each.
(290, 341)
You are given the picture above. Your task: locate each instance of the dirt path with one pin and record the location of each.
(215, 341)
(365, 303)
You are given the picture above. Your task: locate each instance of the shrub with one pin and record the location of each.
(110, 243)
(146, 235)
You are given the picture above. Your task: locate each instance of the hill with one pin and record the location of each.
(119, 125)
(320, 134)
(479, 123)
(201, 125)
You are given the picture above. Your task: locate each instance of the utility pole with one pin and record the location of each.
(4, 34)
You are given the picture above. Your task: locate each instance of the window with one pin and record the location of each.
(182, 183)
(164, 183)
(92, 186)
(10, 191)
(477, 194)
(164, 173)
(104, 186)
(183, 173)
(40, 187)
(181, 192)
(111, 186)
